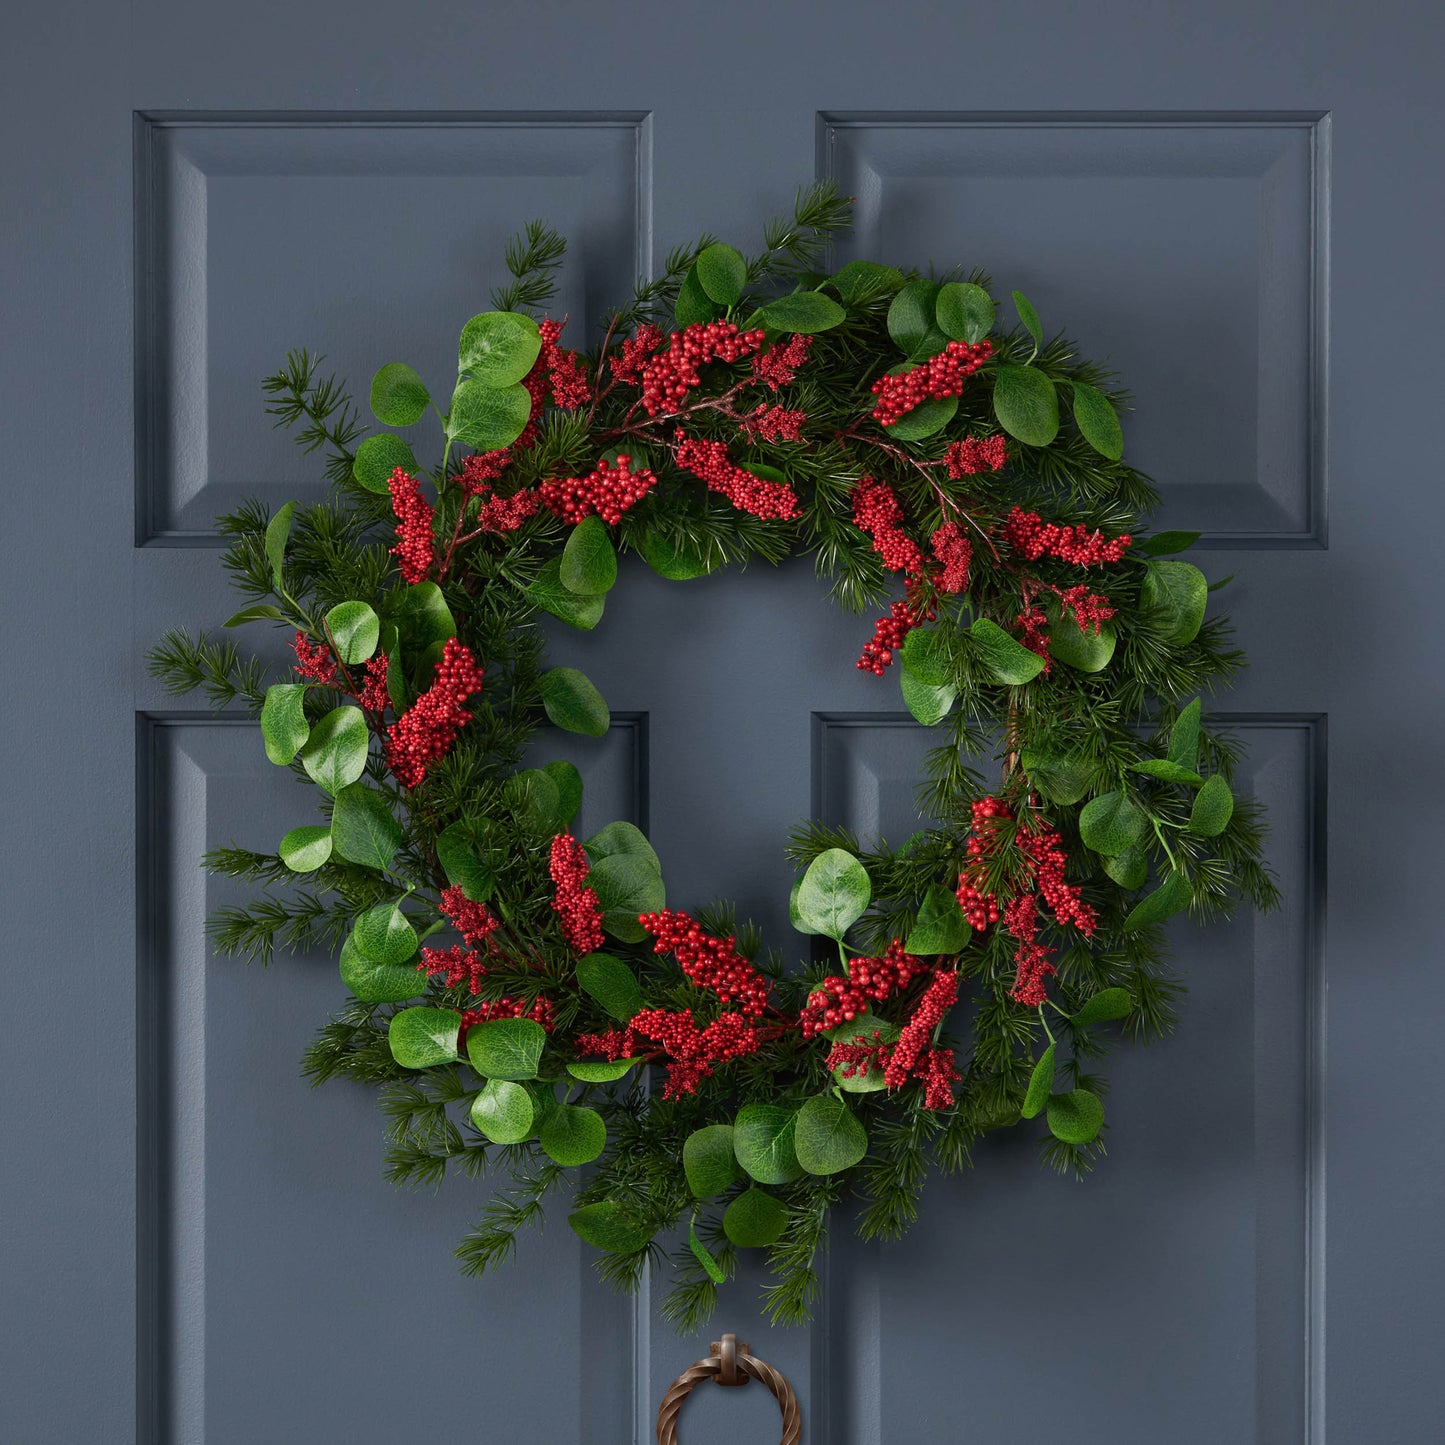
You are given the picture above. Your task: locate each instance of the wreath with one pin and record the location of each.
(525, 1000)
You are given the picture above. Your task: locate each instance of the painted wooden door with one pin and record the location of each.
(1239, 202)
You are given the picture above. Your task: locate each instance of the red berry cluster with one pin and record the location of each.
(1031, 969)
(541, 1010)
(778, 365)
(774, 424)
(564, 368)
(917, 1036)
(955, 554)
(877, 511)
(608, 491)
(413, 548)
(709, 962)
(315, 662)
(940, 376)
(670, 375)
(773, 501)
(457, 964)
(938, 1069)
(474, 921)
(858, 1059)
(888, 635)
(1034, 622)
(425, 732)
(694, 1052)
(1045, 851)
(495, 514)
(838, 1000)
(373, 695)
(481, 469)
(990, 818)
(635, 351)
(1089, 608)
(1031, 537)
(575, 904)
(971, 455)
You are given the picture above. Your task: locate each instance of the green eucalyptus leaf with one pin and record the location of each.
(1062, 778)
(498, 348)
(1184, 737)
(589, 560)
(763, 1142)
(1112, 822)
(708, 1160)
(1029, 317)
(335, 755)
(1128, 869)
(911, 314)
(1026, 404)
(1004, 656)
(486, 417)
(1169, 898)
(703, 1255)
(926, 419)
(460, 863)
(941, 926)
(506, 1048)
(569, 788)
(606, 1225)
(804, 312)
(626, 885)
(1081, 648)
(926, 653)
(304, 850)
(722, 273)
(755, 1220)
(862, 280)
(278, 532)
(573, 1135)
(678, 561)
(373, 982)
(1041, 1084)
(1097, 421)
(378, 457)
(535, 802)
(1075, 1117)
(354, 628)
(398, 395)
(384, 935)
(284, 728)
(422, 1037)
(504, 1112)
(621, 837)
(834, 893)
(611, 983)
(794, 917)
(260, 612)
(1107, 1004)
(694, 306)
(828, 1138)
(964, 311)
(929, 705)
(862, 1030)
(422, 617)
(1213, 808)
(363, 827)
(548, 592)
(1173, 598)
(601, 1071)
(1168, 772)
(1163, 543)
(572, 702)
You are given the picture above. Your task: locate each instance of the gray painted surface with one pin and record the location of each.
(184, 1219)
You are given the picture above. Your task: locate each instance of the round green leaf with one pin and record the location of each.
(925, 419)
(1081, 647)
(573, 1135)
(384, 935)
(354, 628)
(421, 1037)
(304, 850)
(1029, 317)
(503, 1112)
(278, 531)
(703, 1255)
(1167, 772)
(834, 893)
(722, 273)
(422, 617)
(498, 347)
(805, 312)
(1061, 778)
(611, 983)
(573, 703)
(1172, 895)
(763, 1143)
(1097, 421)
(398, 395)
(694, 306)
(549, 593)
(794, 917)
(1213, 808)
(607, 1225)
(379, 982)
(964, 311)
(862, 280)
(591, 1071)
(708, 1160)
(1075, 1117)
(284, 728)
(621, 837)
(463, 868)
(378, 457)
(335, 755)
(589, 560)
(486, 417)
(535, 801)
(569, 788)
(1184, 737)
(677, 561)
(829, 1138)
(1128, 869)
(1112, 822)
(506, 1048)
(927, 655)
(1108, 1003)
(930, 705)
(1026, 404)
(363, 827)
(910, 315)
(626, 885)
(941, 926)
(755, 1220)
(1041, 1084)
(1004, 656)
(1163, 543)
(1173, 598)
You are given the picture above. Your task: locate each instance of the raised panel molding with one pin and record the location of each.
(1209, 1207)
(354, 235)
(1189, 251)
(263, 1203)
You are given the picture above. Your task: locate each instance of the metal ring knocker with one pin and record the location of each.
(729, 1364)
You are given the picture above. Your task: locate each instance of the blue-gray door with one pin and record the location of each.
(1238, 201)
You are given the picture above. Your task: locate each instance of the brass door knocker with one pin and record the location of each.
(730, 1363)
